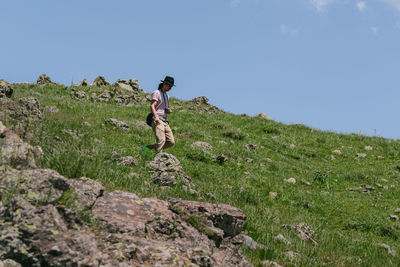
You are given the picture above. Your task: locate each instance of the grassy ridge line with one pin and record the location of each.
(347, 223)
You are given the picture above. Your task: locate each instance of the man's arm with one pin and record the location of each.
(153, 110)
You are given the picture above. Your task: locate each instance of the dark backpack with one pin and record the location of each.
(149, 119)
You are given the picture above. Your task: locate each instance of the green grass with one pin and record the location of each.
(347, 223)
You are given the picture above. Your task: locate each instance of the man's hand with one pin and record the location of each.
(168, 111)
(157, 120)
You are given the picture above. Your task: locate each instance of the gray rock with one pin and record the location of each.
(251, 244)
(166, 169)
(44, 79)
(202, 146)
(282, 239)
(52, 109)
(390, 250)
(304, 231)
(6, 89)
(264, 116)
(130, 85)
(119, 124)
(17, 153)
(127, 161)
(87, 191)
(100, 81)
(9, 263)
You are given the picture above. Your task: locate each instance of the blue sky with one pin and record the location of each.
(329, 64)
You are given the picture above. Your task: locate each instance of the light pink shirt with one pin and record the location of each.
(160, 105)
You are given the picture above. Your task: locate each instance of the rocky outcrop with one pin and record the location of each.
(6, 89)
(100, 81)
(201, 104)
(129, 85)
(40, 225)
(44, 79)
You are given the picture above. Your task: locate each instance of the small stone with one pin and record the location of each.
(291, 254)
(52, 109)
(264, 116)
(2, 128)
(304, 181)
(333, 157)
(133, 175)
(292, 146)
(368, 148)
(291, 180)
(369, 187)
(275, 137)
(394, 217)
(268, 160)
(127, 161)
(397, 210)
(281, 238)
(251, 244)
(211, 195)
(202, 146)
(337, 151)
(273, 195)
(390, 250)
(386, 187)
(380, 157)
(384, 180)
(361, 155)
(379, 185)
(248, 160)
(268, 263)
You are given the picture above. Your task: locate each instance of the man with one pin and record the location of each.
(160, 108)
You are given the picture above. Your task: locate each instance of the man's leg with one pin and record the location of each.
(170, 141)
(159, 133)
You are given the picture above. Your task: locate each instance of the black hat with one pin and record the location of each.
(168, 80)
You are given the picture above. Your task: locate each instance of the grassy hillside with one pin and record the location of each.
(347, 202)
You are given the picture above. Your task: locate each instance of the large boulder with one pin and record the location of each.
(6, 89)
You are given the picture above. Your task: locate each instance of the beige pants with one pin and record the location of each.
(163, 134)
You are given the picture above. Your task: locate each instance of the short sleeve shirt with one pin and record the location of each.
(160, 105)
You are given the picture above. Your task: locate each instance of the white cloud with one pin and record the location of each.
(361, 5)
(375, 30)
(393, 3)
(235, 3)
(321, 4)
(288, 30)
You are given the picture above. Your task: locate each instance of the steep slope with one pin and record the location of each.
(311, 198)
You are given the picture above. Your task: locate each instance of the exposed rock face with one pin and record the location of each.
(6, 89)
(100, 81)
(44, 79)
(36, 229)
